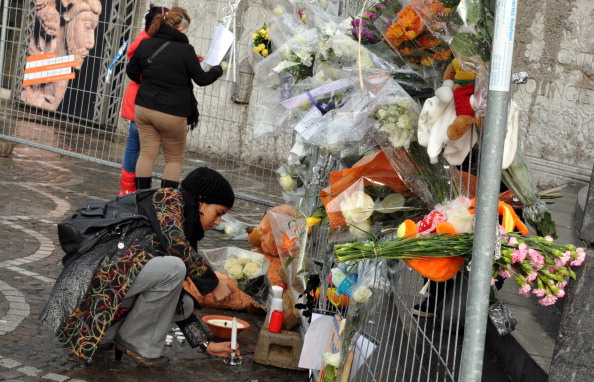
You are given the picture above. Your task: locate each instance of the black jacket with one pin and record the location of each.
(165, 84)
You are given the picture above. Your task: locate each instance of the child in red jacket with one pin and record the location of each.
(132, 151)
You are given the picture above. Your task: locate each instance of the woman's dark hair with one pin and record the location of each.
(150, 15)
(176, 17)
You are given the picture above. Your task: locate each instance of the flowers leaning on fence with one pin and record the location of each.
(538, 264)
(398, 121)
(261, 41)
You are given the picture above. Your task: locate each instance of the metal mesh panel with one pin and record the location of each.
(80, 116)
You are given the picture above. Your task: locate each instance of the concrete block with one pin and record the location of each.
(279, 349)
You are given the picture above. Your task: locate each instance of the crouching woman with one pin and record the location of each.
(126, 293)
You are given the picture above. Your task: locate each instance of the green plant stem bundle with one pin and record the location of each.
(424, 247)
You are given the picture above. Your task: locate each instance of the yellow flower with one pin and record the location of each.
(264, 52)
(267, 37)
(254, 36)
(311, 221)
(262, 46)
(262, 32)
(256, 49)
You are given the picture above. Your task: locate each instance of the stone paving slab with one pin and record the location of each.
(39, 189)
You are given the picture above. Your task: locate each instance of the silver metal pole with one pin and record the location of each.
(3, 37)
(488, 192)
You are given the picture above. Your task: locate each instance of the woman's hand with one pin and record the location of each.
(200, 57)
(221, 349)
(222, 292)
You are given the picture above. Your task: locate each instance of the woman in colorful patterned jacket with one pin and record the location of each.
(129, 294)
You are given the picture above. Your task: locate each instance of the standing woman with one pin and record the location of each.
(132, 151)
(164, 99)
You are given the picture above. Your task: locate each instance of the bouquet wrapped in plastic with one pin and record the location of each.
(290, 234)
(414, 41)
(247, 269)
(366, 198)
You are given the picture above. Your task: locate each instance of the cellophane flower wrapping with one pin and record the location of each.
(394, 116)
(372, 282)
(290, 235)
(414, 41)
(434, 183)
(248, 269)
(518, 178)
(368, 206)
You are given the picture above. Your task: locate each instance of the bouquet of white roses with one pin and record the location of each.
(248, 269)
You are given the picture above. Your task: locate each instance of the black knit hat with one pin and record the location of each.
(208, 186)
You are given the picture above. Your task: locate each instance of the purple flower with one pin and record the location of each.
(380, 7)
(370, 15)
(357, 23)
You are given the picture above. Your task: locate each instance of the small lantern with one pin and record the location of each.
(243, 86)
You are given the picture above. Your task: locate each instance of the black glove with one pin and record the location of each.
(217, 70)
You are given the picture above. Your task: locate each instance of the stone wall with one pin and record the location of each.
(554, 46)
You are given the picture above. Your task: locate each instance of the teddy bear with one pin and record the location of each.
(262, 238)
(462, 91)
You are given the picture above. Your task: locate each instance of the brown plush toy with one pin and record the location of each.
(262, 238)
(463, 90)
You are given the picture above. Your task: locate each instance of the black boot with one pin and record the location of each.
(169, 184)
(143, 183)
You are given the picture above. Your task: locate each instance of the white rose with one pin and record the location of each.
(332, 359)
(287, 182)
(381, 113)
(230, 262)
(252, 270)
(278, 11)
(235, 272)
(356, 207)
(360, 229)
(362, 295)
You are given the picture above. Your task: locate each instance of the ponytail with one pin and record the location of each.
(158, 21)
(174, 17)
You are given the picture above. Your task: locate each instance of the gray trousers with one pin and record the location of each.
(152, 298)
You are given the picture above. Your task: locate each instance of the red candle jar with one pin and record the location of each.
(276, 321)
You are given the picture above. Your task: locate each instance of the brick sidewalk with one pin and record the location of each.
(39, 189)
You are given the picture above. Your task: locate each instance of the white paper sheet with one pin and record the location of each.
(315, 341)
(221, 42)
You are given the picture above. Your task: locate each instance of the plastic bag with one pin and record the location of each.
(394, 115)
(233, 227)
(411, 38)
(290, 235)
(502, 319)
(248, 269)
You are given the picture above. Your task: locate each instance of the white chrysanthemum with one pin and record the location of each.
(360, 229)
(357, 207)
(286, 182)
(362, 295)
(332, 359)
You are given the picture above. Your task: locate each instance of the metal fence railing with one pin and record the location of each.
(74, 109)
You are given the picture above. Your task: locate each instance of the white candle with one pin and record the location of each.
(234, 334)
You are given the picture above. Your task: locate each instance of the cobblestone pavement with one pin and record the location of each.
(39, 189)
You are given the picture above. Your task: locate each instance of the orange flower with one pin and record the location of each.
(287, 245)
(427, 41)
(442, 55)
(405, 50)
(427, 61)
